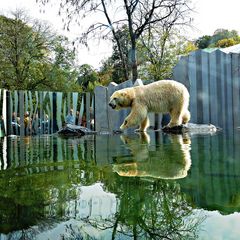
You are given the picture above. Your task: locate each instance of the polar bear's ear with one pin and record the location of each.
(123, 93)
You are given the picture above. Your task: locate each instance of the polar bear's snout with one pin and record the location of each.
(112, 104)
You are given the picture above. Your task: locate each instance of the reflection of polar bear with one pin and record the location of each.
(167, 161)
(165, 96)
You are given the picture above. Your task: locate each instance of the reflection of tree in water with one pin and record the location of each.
(152, 208)
(148, 208)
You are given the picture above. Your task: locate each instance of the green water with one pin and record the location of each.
(154, 186)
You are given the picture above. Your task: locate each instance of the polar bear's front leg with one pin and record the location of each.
(137, 115)
(144, 125)
(176, 119)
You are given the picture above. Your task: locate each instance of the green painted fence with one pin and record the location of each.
(32, 113)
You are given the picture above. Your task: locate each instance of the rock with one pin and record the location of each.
(191, 128)
(75, 130)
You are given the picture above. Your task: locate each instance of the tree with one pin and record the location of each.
(203, 42)
(32, 57)
(20, 46)
(87, 77)
(138, 16)
(158, 52)
(161, 54)
(220, 38)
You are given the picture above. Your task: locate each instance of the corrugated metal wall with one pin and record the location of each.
(213, 80)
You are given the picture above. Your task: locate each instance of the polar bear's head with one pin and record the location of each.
(121, 99)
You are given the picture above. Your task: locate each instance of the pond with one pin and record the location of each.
(134, 186)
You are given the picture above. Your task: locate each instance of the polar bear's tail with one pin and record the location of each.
(186, 117)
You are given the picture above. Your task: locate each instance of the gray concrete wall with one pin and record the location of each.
(213, 80)
(110, 120)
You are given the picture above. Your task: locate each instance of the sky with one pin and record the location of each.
(208, 16)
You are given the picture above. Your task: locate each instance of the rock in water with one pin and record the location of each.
(191, 128)
(74, 130)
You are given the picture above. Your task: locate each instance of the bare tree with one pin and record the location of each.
(138, 15)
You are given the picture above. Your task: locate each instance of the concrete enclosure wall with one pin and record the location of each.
(213, 80)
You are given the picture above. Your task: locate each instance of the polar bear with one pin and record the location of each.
(166, 162)
(164, 96)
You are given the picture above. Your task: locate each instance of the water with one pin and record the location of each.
(149, 186)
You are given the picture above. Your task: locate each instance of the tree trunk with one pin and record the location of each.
(134, 63)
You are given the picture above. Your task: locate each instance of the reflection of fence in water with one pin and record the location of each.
(46, 110)
(214, 179)
(37, 154)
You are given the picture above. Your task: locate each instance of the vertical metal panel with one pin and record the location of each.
(205, 87)
(101, 116)
(30, 107)
(88, 109)
(81, 110)
(59, 109)
(41, 116)
(213, 88)
(124, 112)
(114, 122)
(54, 111)
(93, 110)
(21, 112)
(10, 110)
(236, 88)
(180, 71)
(222, 90)
(219, 100)
(4, 109)
(74, 103)
(193, 86)
(37, 123)
(228, 91)
(199, 87)
(50, 119)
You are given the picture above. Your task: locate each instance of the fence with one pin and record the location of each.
(213, 80)
(30, 113)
